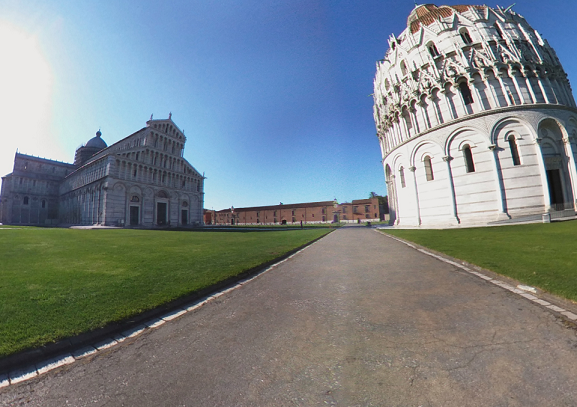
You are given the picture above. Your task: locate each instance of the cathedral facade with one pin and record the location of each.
(476, 120)
(140, 181)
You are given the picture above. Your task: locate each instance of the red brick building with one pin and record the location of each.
(360, 210)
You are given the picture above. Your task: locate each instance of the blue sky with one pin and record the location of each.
(273, 96)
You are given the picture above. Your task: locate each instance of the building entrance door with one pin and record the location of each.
(161, 213)
(184, 217)
(555, 186)
(134, 215)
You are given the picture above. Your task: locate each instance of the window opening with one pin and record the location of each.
(465, 36)
(470, 165)
(428, 168)
(514, 150)
(433, 50)
(403, 68)
(402, 175)
(466, 92)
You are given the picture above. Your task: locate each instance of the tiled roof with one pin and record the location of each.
(427, 14)
(278, 207)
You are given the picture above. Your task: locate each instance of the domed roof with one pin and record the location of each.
(96, 142)
(427, 14)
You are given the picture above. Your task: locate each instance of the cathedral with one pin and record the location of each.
(140, 181)
(476, 120)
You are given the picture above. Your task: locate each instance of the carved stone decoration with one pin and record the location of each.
(427, 82)
(527, 53)
(506, 55)
(547, 57)
(452, 70)
(480, 59)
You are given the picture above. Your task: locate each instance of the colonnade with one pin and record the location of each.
(509, 87)
(136, 172)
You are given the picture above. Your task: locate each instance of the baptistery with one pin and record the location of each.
(476, 120)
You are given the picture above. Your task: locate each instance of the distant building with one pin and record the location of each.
(475, 118)
(142, 180)
(208, 216)
(360, 210)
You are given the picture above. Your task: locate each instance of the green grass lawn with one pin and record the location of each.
(540, 255)
(55, 283)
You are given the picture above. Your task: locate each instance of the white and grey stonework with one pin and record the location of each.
(476, 119)
(142, 180)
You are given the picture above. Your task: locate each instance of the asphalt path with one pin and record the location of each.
(356, 319)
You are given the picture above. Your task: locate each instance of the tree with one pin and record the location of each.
(383, 201)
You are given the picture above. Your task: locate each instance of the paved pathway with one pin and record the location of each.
(357, 319)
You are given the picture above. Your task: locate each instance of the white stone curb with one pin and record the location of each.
(501, 284)
(27, 373)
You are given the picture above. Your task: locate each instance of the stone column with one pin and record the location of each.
(446, 101)
(394, 128)
(425, 115)
(398, 132)
(540, 76)
(517, 88)
(527, 80)
(501, 199)
(438, 117)
(413, 116)
(563, 91)
(405, 127)
(462, 108)
(479, 100)
(552, 89)
(543, 172)
(504, 89)
(448, 159)
(418, 208)
(393, 205)
(494, 99)
(572, 168)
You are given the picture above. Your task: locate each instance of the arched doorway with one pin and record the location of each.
(556, 166)
(162, 208)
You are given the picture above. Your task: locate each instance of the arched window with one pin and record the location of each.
(403, 68)
(408, 121)
(514, 150)
(433, 49)
(402, 176)
(25, 200)
(428, 168)
(466, 92)
(43, 204)
(468, 155)
(465, 36)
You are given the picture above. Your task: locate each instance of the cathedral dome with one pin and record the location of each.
(96, 142)
(427, 14)
(94, 146)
